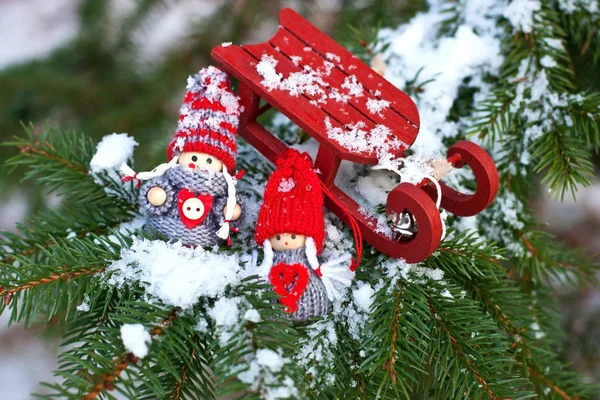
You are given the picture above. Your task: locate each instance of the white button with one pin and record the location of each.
(193, 209)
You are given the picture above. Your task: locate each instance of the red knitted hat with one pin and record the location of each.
(293, 201)
(208, 119)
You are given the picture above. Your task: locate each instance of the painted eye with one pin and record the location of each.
(194, 158)
(209, 160)
(293, 237)
(278, 237)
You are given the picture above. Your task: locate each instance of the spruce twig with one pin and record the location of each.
(106, 382)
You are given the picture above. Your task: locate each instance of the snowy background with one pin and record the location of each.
(31, 30)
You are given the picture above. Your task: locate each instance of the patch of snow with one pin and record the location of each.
(286, 185)
(269, 359)
(333, 234)
(174, 273)
(84, 307)
(112, 151)
(520, 14)
(264, 367)
(548, 62)
(357, 139)
(354, 87)
(296, 60)
(376, 106)
(333, 57)
(252, 315)
(308, 82)
(225, 311)
(363, 296)
(266, 69)
(136, 339)
(316, 352)
(202, 325)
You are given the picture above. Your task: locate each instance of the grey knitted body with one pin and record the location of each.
(314, 301)
(165, 218)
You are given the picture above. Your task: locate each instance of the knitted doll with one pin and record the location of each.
(291, 231)
(192, 198)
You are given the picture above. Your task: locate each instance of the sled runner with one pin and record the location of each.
(328, 92)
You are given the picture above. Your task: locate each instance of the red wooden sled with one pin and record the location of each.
(295, 38)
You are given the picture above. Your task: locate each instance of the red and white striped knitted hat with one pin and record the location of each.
(208, 118)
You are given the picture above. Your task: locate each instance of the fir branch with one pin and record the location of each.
(461, 353)
(555, 261)
(30, 245)
(389, 365)
(8, 293)
(70, 267)
(59, 161)
(38, 150)
(564, 395)
(398, 332)
(236, 346)
(475, 342)
(565, 161)
(465, 254)
(508, 307)
(183, 376)
(106, 381)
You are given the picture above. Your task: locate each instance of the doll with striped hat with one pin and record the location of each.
(192, 198)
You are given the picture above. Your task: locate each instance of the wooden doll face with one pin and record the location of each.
(200, 161)
(287, 241)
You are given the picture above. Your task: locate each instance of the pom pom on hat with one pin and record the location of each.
(293, 201)
(208, 118)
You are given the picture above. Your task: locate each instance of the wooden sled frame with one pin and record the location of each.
(298, 46)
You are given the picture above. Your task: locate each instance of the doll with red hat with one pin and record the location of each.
(290, 229)
(192, 198)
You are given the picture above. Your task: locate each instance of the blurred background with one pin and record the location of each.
(121, 66)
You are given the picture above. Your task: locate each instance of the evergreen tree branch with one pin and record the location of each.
(38, 150)
(398, 329)
(534, 357)
(461, 353)
(106, 381)
(389, 365)
(27, 246)
(546, 381)
(8, 293)
(183, 376)
(475, 346)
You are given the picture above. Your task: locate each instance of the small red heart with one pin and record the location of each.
(192, 212)
(289, 281)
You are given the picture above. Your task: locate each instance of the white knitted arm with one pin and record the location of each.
(336, 276)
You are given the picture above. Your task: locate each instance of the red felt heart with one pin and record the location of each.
(289, 281)
(193, 209)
